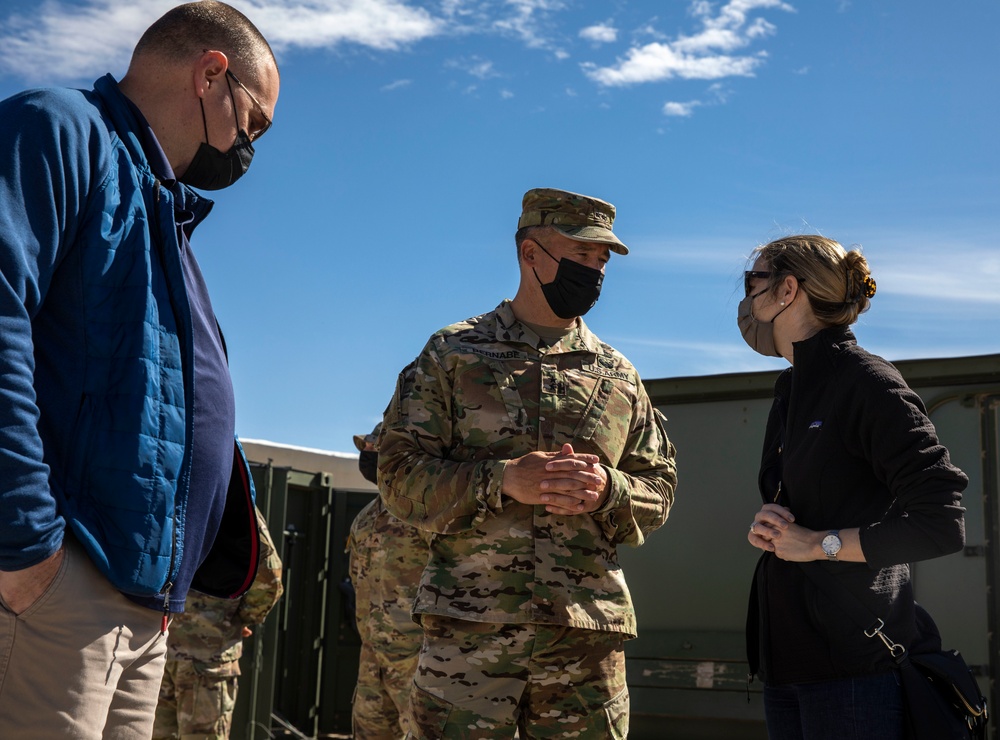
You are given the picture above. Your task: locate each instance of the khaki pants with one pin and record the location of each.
(82, 662)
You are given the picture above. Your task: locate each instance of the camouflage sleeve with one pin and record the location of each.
(643, 484)
(266, 589)
(418, 482)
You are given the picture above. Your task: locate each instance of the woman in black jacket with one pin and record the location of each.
(853, 477)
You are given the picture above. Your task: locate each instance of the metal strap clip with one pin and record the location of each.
(895, 649)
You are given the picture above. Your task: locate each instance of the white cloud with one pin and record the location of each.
(700, 358)
(527, 20)
(378, 24)
(76, 40)
(72, 42)
(395, 85)
(506, 94)
(966, 274)
(680, 109)
(63, 41)
(716, 94)
(600, 33)
(656, 62)
(706, 55)
(476, 66)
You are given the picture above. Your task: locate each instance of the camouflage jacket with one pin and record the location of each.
(209, 630)
(485, 391)
(387, 559)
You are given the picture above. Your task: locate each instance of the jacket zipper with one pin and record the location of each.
(157, 236)
(166, 605)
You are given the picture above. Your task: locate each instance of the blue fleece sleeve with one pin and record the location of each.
(45, 155)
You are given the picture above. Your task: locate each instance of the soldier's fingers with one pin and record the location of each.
(587, 496)
(573, 481)
(570, 463)
(562, 504)
(565, 512)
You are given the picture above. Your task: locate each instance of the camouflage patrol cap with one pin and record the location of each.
(579, 217)
(360, 440)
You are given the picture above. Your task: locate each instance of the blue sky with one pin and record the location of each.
(381, 205)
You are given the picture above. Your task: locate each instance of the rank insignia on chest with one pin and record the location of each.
(554, 386)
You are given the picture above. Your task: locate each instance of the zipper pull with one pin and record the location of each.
(166, 608)
(749, 681)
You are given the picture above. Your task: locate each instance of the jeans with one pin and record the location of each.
(863, 708)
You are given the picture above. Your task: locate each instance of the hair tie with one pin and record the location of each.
(869, 287)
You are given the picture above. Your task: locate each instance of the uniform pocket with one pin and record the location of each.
(606, 422)
(428, 715)
(616, 712)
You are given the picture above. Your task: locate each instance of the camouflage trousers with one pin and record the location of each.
(382, 695)
(387, 560)
(489, 681)
(194, 705)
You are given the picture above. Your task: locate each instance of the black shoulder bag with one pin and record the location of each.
(941, 697)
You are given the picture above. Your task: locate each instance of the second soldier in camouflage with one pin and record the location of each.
(387, 558)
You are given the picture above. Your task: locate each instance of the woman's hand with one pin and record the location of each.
(774, 530)
(768, 524)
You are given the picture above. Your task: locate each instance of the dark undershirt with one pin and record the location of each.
(214, 421)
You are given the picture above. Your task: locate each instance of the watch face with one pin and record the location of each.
(831, 544)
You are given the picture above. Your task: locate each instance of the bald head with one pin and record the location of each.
(200, 75)
(188, 30)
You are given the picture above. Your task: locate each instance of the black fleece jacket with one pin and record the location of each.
(851, 446)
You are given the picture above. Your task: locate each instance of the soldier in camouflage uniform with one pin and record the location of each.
(204, 646)
(530, 450)
(387, 559)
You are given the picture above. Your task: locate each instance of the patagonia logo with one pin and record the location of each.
(816, 425)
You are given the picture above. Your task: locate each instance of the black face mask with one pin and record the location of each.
(368, 465)
(213, 170)
(575, 289)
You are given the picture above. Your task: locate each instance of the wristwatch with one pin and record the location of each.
(831, 544)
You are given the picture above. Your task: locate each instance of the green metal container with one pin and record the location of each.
(690, 582)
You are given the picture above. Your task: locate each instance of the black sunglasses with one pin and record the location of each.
(749, 275)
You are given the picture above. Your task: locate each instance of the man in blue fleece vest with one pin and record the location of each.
(121, 480)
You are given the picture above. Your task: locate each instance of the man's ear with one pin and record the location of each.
(529, 251)
(209, 69)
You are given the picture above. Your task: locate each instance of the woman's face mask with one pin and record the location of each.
(756, 333)
(575, 289)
